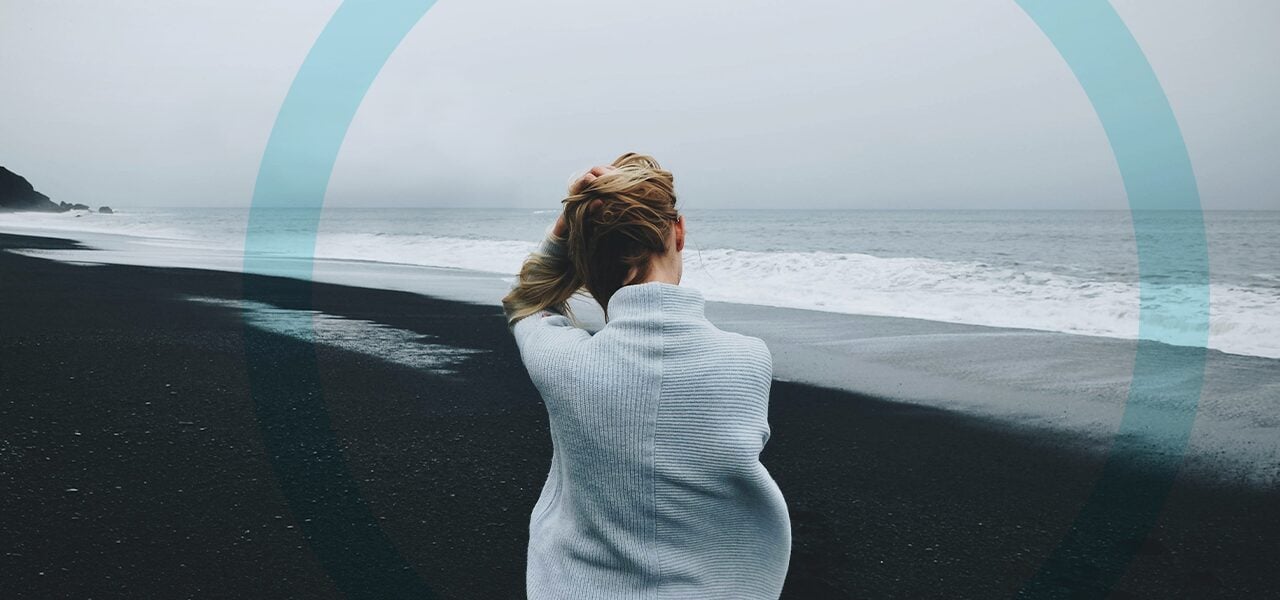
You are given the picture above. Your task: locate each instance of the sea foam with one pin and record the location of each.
(1244, 313)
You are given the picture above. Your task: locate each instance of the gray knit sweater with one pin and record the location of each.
(657, 420)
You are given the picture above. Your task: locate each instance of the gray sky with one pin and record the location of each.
(926, 104)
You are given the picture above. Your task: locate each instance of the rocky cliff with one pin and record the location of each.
(16, 193)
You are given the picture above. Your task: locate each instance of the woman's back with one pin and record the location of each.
(655, 489)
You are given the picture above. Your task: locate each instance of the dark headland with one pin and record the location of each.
(136, 463)
(17, 194)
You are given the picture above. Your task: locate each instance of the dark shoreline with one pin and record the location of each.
(113, 385)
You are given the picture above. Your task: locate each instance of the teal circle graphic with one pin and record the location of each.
(286, 390)
(1172, 263)
(1173, 279)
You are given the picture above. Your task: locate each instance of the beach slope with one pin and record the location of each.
(161, 438)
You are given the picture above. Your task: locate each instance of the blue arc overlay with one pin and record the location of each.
(1172, 262)
(285, 383)
(1173, 272)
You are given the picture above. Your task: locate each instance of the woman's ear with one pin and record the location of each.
(679, 233)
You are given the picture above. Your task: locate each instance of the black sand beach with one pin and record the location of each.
(151, 446)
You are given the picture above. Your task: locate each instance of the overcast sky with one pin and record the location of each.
(925, 104)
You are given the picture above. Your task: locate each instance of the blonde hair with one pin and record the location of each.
(615, 223)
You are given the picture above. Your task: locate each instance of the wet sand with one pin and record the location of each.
(152, 446)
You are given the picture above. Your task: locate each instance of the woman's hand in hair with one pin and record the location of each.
(582, 182)
(579, 184)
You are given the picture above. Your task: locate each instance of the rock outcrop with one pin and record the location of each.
(16, 193)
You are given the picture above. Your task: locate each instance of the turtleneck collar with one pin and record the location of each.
(652, 297)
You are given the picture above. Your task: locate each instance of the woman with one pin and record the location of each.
(657, 420)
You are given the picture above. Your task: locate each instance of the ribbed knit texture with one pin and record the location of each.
(656, 489)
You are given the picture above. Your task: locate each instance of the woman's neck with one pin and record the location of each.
(666, 269)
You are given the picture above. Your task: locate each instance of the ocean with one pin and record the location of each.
(1062, 271)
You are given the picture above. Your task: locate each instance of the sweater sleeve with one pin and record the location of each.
(550, 325)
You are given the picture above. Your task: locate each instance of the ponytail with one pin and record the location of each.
(547, 281)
